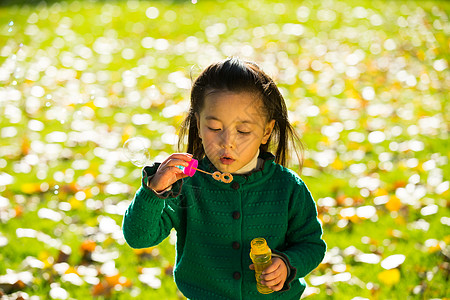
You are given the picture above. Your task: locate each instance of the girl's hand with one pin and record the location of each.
(275, 275)
(168, 172)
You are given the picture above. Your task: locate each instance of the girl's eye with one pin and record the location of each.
(213, 129)
(244, 132)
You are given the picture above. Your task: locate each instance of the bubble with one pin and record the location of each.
(58, 292)
(393, 261)
(376, 137)
(136, 150)
(152, 12)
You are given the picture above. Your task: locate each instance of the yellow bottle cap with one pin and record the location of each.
(259, 246)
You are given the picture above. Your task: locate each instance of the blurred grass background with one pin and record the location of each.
(366, 83)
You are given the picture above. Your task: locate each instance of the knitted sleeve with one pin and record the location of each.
(149, 219)
(305, 246)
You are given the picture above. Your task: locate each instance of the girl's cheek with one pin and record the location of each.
(246, 139)
(210, 146)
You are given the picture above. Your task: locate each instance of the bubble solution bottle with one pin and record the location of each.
(261, 256)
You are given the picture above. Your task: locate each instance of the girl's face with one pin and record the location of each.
(232, 126)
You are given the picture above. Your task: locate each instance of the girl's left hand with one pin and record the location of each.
(275, 275)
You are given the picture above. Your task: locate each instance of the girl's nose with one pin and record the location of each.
(228, 139)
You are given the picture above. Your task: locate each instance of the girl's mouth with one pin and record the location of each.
(226, 160)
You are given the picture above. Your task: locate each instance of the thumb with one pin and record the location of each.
(252, 267)
(181, 176)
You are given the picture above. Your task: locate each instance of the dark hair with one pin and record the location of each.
(236, 75)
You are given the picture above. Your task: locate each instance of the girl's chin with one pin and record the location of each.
(225, 168)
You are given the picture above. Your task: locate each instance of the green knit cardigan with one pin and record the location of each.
(215, 223)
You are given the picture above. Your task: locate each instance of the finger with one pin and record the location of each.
(275, 265)
(165, 173)
(278, 287)
(182, 156)
(175, 162)
(252, 267)
(181, 175)
(272, 283)
(174, 169)
(272, 275)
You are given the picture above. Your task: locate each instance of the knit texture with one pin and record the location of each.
(215, 223)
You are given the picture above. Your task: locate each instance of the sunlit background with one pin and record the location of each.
(366, 84)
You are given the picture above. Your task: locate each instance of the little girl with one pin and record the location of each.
(237, 114)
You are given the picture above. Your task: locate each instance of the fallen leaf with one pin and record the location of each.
(9, 288)
(389, 277)
(30, 188)
(101, 290)
(394, 204)
(88, 246)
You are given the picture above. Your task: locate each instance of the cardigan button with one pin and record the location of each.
(236, 245)
(237, 275)
(235, 185)
(236, 215)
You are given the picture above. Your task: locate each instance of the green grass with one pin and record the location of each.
(56, 69)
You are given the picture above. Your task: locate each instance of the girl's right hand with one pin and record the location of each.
(168, 172)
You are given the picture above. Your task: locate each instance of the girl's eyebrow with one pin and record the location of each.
(211, 118)
(216, 119)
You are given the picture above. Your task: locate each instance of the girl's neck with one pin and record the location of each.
(252, 165)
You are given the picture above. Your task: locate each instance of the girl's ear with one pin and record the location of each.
(197, 118)
(268, 131)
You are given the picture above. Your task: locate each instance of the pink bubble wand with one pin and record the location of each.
(192, 168)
